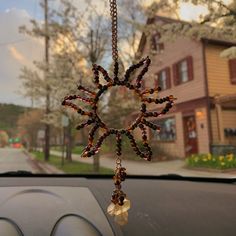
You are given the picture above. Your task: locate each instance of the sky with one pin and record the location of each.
(19, 50)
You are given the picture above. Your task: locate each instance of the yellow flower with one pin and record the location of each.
(209, 156)
(221, 158)
(196, 159)
(222, 163)
(230, 157)
(204, 159)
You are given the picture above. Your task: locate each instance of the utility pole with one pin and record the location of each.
(47, 126)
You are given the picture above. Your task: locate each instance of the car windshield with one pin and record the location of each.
(172, 98)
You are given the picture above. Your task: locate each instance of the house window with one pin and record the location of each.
(156, 45)
(183, 71)
(167, 131)
(232, 70)
(163, 79)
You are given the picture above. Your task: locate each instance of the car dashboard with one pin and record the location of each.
(76, 205)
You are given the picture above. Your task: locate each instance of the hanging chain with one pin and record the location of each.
(118, 162)
(113, 13)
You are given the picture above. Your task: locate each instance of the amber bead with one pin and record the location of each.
(131, 87)
(144, 137)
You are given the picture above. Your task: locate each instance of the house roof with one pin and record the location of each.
(207, 40)
(218, 42)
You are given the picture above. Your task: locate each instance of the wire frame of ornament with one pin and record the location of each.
(119, 202)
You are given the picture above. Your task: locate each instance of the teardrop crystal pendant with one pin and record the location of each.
(122, 219)
(119, 205)
(116, 209)
(119, 212)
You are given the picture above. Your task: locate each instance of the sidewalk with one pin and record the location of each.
(151, 168)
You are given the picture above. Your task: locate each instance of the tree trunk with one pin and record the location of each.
(47, 127)
(69, 143)
(83, 137)
(96, 163)
(47, 143)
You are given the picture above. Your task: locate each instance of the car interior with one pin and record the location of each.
(72, 205)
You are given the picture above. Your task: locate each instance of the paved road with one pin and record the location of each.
(153, 168)
(15, 159)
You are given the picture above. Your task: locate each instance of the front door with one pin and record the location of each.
(190, 135)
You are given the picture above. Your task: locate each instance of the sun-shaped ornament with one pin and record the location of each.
(119, 202)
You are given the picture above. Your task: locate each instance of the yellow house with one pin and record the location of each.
(204, 116)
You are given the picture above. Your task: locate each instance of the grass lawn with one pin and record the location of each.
(74, 167)
(75, 150)
(78, 149)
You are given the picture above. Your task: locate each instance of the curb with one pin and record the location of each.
(42, 166)
(205, 169)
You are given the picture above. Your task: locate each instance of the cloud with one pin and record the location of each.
(189, 11)
(17, 50)
(17, 55)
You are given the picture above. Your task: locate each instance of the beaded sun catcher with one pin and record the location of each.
(119, 202)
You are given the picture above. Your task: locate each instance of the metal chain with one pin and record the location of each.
(113, 13)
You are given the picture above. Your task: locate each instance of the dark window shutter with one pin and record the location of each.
(232, 70)
(168, 82)
(153, 43)
(175, 74)
(190, 67)
(161, 46)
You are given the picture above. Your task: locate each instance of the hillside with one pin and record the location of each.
(9, 114)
